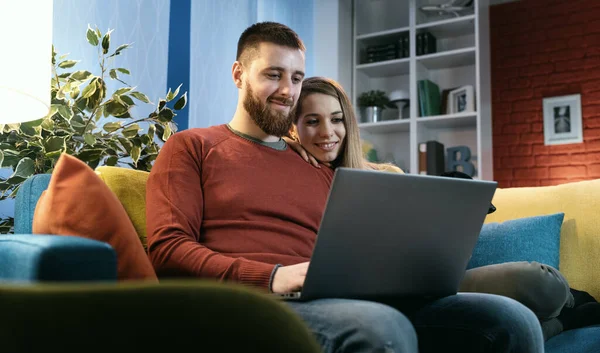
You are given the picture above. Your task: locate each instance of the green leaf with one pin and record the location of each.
(55, 143)
(140, 96)
(25, 168)
(89, 90)
(135, 154)
(80, 75)
(1, 158)
(166, 115)
(113, 74)
(122, 70)
(115, 108)
(92, 36)
(131, 130)
(48, 124)
(111, 127)
(106, 42)
(92, 154)
(167, 133)
(111, 161)
(123, 90)
(127, 145)
(151, 132)
(127, 100)
(89, 139)
(32, 128)
(181, 102)
(119, 49)
(75, 92)
(65, 111)
(67, 64)
(172, 95)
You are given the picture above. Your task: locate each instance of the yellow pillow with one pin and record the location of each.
(130, 187)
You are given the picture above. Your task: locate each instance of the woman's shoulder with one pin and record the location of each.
(385, 167)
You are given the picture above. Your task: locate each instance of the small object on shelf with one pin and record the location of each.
(372, 103)
(453, 7)
(426, 43)
(461, 100)
(401, 99)
(445, 93)
(459, 159)
(429, 98)
(431, 158)
(376, 53)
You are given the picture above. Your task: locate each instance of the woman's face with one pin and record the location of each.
(321, 127)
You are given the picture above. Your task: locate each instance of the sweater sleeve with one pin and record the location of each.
(174, 211)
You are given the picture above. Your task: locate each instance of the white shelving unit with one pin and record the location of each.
(461, 58)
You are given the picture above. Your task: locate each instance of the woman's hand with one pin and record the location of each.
(296, 146)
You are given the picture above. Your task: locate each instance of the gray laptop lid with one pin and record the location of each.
(388, 234)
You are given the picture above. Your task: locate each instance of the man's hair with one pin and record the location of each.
(269, 32)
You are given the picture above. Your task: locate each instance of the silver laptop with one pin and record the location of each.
(389, 235)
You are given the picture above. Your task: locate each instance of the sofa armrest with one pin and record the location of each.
(33, 258)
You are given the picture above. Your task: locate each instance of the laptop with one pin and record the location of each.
(390, 235)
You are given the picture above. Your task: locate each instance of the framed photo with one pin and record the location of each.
(562, 120)
(461, 100)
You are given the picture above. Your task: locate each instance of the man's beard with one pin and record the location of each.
(272, 122)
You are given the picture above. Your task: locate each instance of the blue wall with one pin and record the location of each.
(216, 27)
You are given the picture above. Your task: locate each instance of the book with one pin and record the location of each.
(436, 160)
(429, 98)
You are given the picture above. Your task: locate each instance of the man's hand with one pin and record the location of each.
(289, 278)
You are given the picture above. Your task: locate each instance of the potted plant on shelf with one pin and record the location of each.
(372, 103)
(88, 122)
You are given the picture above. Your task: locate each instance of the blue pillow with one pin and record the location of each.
(524, 239)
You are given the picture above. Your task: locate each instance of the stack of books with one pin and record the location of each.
(426, 43)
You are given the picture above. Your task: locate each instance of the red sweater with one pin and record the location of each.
(221, 206)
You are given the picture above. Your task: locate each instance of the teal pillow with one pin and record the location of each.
(524, 239)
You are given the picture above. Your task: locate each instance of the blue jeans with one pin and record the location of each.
(466, 322)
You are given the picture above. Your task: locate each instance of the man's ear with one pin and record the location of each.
(236, 73)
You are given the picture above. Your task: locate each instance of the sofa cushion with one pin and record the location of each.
(580, 234)
(581, 340)
(524, 239)
(129, 186)
(77, 202)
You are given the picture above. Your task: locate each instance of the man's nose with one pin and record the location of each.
(285, 87)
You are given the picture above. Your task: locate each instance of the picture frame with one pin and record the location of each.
(461, 100)
(562, 120)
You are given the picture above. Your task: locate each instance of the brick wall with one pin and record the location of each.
(543, 48)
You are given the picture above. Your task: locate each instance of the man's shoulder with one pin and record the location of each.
(207, 137)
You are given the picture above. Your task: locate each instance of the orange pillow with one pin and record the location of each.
(77, 202)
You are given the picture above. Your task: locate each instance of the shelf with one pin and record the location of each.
(449, 120)
(383, 127)
(453, 27)
(386, 68)
(448, 59)
(390, 32)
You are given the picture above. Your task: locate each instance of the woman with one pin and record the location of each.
(325, 131)
(325, 128)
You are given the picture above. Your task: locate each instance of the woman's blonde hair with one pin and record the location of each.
(351, 155)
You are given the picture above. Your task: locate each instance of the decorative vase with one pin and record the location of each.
(372, 114)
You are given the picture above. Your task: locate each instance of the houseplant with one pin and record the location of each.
(372, 103)
(87, 122)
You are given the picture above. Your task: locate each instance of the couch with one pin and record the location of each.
(579, 248)
(579, 243)
(60, 293)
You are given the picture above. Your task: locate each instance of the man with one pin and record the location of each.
(232, 202)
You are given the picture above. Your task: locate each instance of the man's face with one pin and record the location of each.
(271, 86)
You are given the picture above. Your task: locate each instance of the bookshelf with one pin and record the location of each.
(461, 58)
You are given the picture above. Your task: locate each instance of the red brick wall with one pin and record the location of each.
(543, 48)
